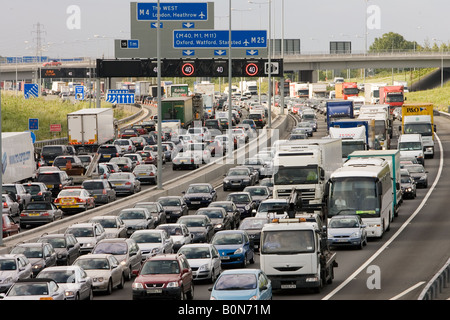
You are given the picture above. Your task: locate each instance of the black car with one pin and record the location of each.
(50, 152)
(200, 226)
(408, 185)
(149, 125)
(199, 195)
(418, 173)
(244, 203)
(101, 189)
(220, 219)
(238, 178)
(253, 227)
(174, 206)
(231, 209)
(38, 191)
(55, 181)
(66, 246)
(108, 151)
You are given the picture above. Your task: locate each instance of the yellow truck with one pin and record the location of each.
(418, 118)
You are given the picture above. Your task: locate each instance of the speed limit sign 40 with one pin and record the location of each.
(187, 69)
(251, 69)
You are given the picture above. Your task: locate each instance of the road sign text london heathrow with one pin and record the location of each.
(219, 39)
(172, 11)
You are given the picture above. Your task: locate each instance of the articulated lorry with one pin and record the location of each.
(89, 128)
(338, 110)
(355, 135)
(418, 118)
(394, 96)
(345, 90)
(18, 158)
(305, 165)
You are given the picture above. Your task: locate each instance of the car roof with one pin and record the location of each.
(241, 271)
(171, 256)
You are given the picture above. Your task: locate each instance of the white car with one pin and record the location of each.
(240, 135)
(178, 232)
(125, 145)
(204, 260)
(34, 289)
(153, 242)
(199, 149)
(202, 133)
(87, 234)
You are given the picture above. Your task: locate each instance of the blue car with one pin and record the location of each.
(242, 284)
(234, 247)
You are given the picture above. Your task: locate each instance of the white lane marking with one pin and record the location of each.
(400, 230)
(407, 291)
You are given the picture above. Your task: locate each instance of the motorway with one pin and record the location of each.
(397, 266)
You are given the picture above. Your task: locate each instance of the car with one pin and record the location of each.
(113, 168)
(268, 182)
(9, 226)
(231, 209)
(153, 242)
(347, 230)
(258, 193)
(234, 248)
(86, 159)
(104, 269)
(244, 202)
(38, 191)
(306, 127)
(167, 276)
(139, 142)
(146, 173)
(200, 149)
(128, 133)
(156, 210)
(174, 207)
(179, 233)
(251, 133)
(214, 126)
(253, 226)
(250, 122)
(186, 160)
(199, 195)
(34, 289)
(87, 234)
(108, 152)
(55, 181)
(218, 216)
(139, 128)
(124, 183)
(258, 164)
(40, 255)
(52, 63)
(12, 268)
(201, 132)
(166, 152)
(298, 136)
(198, 225)
(23, 197)
(223, 139)
(241, 135)
(113, 225)
(125, 250)
(67, 247)
(242, 284)
(125, 164)
(272, 208)
(10, 205)
(101, 189)
(408, 185)
(215, 147)
(50, 152)
(149, 125)
(135, 158)
(258, 118)
(39, 213)
(73, 279)
(67, 162)
(137, 219)
(74, 199)
(418, 173)
(204, 261)
(148, 157)
(238, 178)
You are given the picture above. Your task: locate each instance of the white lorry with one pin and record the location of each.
(207, 90)
(372, 92)
(352, 139)
(317, 90)
(305, 165)
(294, 254)
(18, 157)
(90, 128)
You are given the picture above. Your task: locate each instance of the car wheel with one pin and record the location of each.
(122, 282)
(190, 294)
(110, 287)
(91, 294)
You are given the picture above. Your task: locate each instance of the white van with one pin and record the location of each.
(411, 145)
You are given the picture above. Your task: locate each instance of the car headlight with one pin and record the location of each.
(38, 266)
(173, 284)
(99, 279)
(354, 234)
(7, 280)
(239, 251)
(156, 250)
(219, 226)
(69, 293)
(247, 207)
(422, 178)
(226, 181)
(204, 267)
(137, 285)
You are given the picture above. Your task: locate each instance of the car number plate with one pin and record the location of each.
(195, 202)
(50, 186)
(183, 161)
(107, 156)
(154, 290)
(34, 214)
(342, 240)
(225, 258)
(118, 184)
(288, 286)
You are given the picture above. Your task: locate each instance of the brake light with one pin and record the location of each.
(128, 183)
(46, 214)
(5, 205)
(104, 191)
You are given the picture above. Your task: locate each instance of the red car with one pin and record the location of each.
(52, 63)
(164, 276)
(148, 156)
(128, 133)
(140, 129)
(9, 226)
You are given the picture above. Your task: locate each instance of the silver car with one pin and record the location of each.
(124, 182)
(137, 219)
(113, 225)
(179, 233)
(204, 260)
(87, 234)
(153, 242)
(34, 289)
(104, 269)
(73, 279)
(12, 268)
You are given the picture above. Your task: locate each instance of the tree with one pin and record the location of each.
(393, 42)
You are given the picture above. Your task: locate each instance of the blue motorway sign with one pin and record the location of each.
(30, 90)
(79, 92)
(33, 124)
(219, 39)
(172, 11)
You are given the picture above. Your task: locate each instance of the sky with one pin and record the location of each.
(87, 28)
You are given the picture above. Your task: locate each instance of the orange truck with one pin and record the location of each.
(345, 90)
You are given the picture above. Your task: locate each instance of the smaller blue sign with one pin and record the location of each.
(188, 52)
(79, 92)
(33, 124)
(133, 44)
(188, 25)
(154, 25)
(220, 52)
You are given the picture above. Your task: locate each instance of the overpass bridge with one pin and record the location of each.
(304, 64)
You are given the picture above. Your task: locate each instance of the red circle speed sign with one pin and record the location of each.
(251, 69)
(188, 69)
